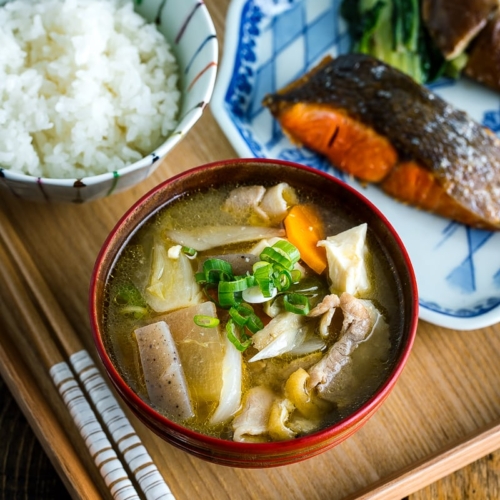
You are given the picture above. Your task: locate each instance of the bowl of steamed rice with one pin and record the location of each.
(253, 312)
(95, 92)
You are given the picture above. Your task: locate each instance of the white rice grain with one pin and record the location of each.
(86, 87)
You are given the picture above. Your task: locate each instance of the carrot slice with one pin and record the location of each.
(304, 229)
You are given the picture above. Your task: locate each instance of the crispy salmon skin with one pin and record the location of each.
(368, 118)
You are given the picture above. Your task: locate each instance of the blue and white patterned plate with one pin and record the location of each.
(269, 43)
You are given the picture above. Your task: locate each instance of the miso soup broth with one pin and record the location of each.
(225, 314)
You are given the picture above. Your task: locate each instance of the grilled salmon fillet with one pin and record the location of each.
(379, 125)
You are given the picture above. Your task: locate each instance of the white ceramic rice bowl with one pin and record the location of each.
(189, 30)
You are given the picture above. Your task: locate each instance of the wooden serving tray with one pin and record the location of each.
(444, 412)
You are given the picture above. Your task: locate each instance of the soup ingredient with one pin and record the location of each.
(277, 201)
(346, 261)
(86, 86)
(459, 158)
(393, 31)
(326, 309)
(230, 396)
(171, 282)
(278, 419)
(388, 30)
(201, 353)
(163, 372)
(267, 204)
(205, 238)
(131, 301)
(300, 395)
(250, 425)
(284, 332)
(304, 229)
(358, 323)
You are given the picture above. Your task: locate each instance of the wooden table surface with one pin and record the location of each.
(25, 470)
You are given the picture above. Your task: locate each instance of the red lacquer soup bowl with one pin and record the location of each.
(328, 192)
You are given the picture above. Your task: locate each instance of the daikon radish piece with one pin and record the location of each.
(163, 371)
(201, 352)
(230, 396)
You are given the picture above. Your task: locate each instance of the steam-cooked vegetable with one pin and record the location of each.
(346, 253)
(280, 335)
(171, 282)
(230, 396)
(304, 229)
(393, 31)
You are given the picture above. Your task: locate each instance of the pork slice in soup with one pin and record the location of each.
(269, 313)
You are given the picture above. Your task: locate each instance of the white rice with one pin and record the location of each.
(86, 87)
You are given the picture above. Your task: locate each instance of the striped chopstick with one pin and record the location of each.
(92, 405)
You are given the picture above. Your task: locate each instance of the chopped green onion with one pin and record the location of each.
(137, 311)
(282, 253)
(258, 264)
(241, 313)
(296, 276)
(205, 321)
(296, 303)
(264, 278)
(287, 249)
(191, 253)
(254, 323)
(200, 278)
(273, 256)
(229, 299)
(282, 280)
(237, 336)
(216, 270)
(237, 285)
(128, 294)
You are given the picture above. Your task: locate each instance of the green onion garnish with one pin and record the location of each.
(282, 253)
(216, 270)
(282, 280)
(237, 336)
(263, 273)
(137, 312)
(254, 323)
(296, 276)
(296, 303)
(243, 315)
(205, 321)
(273, 256)
(287, 249)
(190, 252)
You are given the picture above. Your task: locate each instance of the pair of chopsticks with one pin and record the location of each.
(112, 442)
